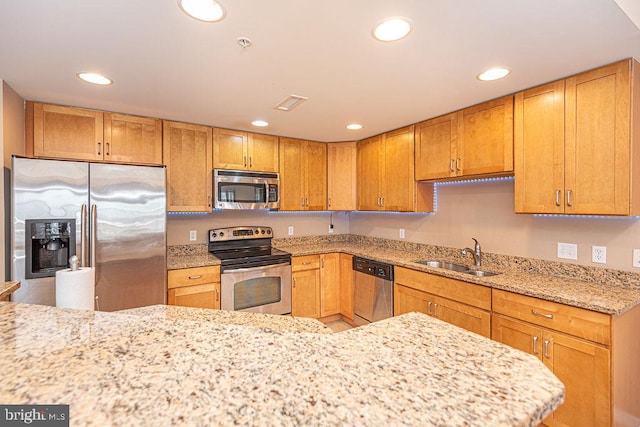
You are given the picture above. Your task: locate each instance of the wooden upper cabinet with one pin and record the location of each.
(385, 174)
(132, 139)
(573, 144)
(485, 138)
(303, 175)
(539, 149)
(54, 131)
(341, 176)
(436, 147)
(475, 141)
(244, 151)
(187, 154)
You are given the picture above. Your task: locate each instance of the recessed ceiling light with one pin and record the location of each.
(494, 74)
(391, 29)
(354, 126)
(95, 78)
(202, 10)
(260, 123)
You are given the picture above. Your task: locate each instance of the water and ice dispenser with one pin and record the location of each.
(49, 243)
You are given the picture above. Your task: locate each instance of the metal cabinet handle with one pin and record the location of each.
(209, 201)
(306, 263)
(195, 277)
(322, 262)
(381, 202)
(569, 198)
(329, 202)
(244, 161)
(557, 197)
(107, 151)
(99, 148)
(535, 345)
(458, 161)
(306, 201)
(451, 169)
(546, 349)
(435, 309)
(250, 161)
(217, 295)
(302, 202)
(294, 282)
(429, 307)
(536, 313)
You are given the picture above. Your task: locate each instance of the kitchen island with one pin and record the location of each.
(159, 367)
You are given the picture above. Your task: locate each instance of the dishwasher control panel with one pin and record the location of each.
(373, 268)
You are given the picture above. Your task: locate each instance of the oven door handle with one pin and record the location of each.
(264, 267)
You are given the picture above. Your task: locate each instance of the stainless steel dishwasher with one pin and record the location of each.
(372, 290)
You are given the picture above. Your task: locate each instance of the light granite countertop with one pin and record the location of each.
(154, 368)
(598, 289)
(7, 288)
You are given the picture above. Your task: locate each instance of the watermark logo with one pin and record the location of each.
(34, 415)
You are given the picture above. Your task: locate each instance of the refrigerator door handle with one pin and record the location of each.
(94, 234)
(83, 235)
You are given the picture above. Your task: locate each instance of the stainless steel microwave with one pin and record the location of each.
(246, 190)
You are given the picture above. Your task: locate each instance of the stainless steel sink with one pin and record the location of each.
(456, 267)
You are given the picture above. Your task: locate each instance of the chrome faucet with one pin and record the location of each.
(477, 253)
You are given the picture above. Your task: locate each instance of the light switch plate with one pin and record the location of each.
(636, 257)
(567, 250)
(291, 230)
(193, 235)
(402, 233)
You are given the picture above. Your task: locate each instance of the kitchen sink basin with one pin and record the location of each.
(456, 267)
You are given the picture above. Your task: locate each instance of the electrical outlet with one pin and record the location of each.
(193, 235)
(291, 230)
(330, 228)
(599, 254)
(402, 233)
(567, 250)
(636, 257)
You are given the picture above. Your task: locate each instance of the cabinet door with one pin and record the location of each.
(305, 293)
(485, 138)
(66, 132)
(539, 149)
(341, 176)
(584, 369)
(370, 159)
(597, 145)
(406, 300)
(329, 284)
(315, 176)
(435, 140)
(523, 336)
(202, 296)
(398, 184)
(292, 197)
(346, 285)
(187, 154)
(263, 153)
(230, 149)
(131, 139)
(462, 315)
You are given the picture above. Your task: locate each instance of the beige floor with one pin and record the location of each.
(338, 326)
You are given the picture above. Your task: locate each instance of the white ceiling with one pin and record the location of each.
(165, 64)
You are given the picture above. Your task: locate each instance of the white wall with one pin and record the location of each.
(484, 210)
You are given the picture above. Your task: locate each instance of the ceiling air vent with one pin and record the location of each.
(290, 102)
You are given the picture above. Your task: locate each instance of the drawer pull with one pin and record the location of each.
(195, 277)
(535, 313)
(429, 308)
(535, 345)
(306, 263)
(435, 309)
(546, 349)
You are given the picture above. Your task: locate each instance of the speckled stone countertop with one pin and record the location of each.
(7, 288)
(189, 256)
(257, 320)
(124, 369)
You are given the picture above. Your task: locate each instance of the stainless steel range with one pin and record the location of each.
(254, 276)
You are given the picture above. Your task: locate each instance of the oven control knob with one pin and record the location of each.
(214, 235)
(256, 232)
(262, 231)
(221, 233)
(268, 231)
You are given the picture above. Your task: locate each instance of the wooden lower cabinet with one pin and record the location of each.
(346, 286)
(329, 284)
(460, 303)
(305, 286)
(194, 287)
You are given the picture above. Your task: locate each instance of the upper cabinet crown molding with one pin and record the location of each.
(574, 150)
(239, 150)
(55, 131)
(475, 141)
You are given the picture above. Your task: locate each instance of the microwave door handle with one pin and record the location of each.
(265, 267)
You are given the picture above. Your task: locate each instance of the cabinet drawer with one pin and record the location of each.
(575, 321)
(201, 296)
(468, 293)
(308, 262)
(193, 276)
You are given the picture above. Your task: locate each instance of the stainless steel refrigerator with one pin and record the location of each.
(113, 217)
